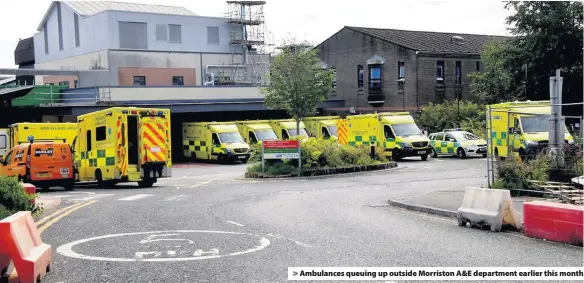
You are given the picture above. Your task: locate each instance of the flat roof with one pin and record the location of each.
(47, 72)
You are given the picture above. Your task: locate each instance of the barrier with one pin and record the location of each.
(21, 242)
(30, 189)
(488, 207)
(556, 222)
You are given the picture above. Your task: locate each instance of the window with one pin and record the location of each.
(49, 84)
(458, 73)
(46, 36)
(133, 35)
(450, 138)
(212, 35)
(161, 33)
(3, 142)
(401, 70)
(402, 51)
(252, 137)
(174, 33)
(440, 137)
(60, 25)
(65, 83)
(215, 140)
(360, 76)
(440, 69)
(178, 80)
(88, 141)
(264, 135)
(230, 137)
(285, 135)
(76, 83)
(478, 66)
(76, 24)
(100, 134)
(375, 77)
(432, 137)
(139, 80)
(325, 133)
(7, 158)
(387, 132)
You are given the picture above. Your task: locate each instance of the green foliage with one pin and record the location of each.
(322, 153)
(436, 117)
(256, 152)
(13, 198)
(298, 84)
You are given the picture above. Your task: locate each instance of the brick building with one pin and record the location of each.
(397, 70)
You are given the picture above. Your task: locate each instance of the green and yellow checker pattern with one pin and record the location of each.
(445, 147)
(362, 140)
(103, 157)
(499, 139)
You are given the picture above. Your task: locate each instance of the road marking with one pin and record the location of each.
(439, 160)
(135, 197)
(235, 223)
(174, 198)
(67, 249)
(44, 227)
(46, 218)
(202, 183)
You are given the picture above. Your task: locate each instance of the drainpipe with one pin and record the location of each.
(417, 81)
(207, 73)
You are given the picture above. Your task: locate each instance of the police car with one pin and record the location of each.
(457, 142)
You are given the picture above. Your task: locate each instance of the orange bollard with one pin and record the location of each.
(21, 242)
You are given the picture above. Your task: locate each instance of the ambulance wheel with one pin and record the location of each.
(522, 155)
(395, 155)
(484, 155)
(245, 160)
(434, 154)
(147, 183)
(424, 157)
(460, 153)
(99, 178)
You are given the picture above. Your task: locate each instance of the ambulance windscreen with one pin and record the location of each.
(230, 137)
(332, 130)
(266, 135)
(535, 124)
(406, 129)
(302, 132)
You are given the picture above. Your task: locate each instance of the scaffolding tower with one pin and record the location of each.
(248, 40)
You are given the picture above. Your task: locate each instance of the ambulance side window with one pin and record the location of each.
(88, 143)
(100, 134)
(252, 137)
(285, 135)
(387, 132)
(215, 140)
(325, 133)
(516, 126)
(440, 137)
(450, 138)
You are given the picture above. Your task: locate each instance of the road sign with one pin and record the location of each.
(342, 131)
(287, 149)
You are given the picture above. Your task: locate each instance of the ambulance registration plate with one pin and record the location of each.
(422, 152)
(241, 157)
(44, 175)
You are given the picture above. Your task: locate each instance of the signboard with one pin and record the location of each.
(287, 149)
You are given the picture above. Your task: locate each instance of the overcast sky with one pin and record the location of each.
(312, 20)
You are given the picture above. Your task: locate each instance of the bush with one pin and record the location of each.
(320, 154)
(13, 198)
(436, 117)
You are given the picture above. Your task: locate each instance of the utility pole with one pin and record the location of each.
(557, 131)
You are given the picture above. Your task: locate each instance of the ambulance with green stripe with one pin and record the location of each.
(323, 127)
(256, 131)
(123, 144)
(286, 129)
(396, 132)
(214, 141)
(520, 128)
(457, 142)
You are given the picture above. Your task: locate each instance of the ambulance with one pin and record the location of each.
(457, 142)
(123, 144)
(286, 129)
(214, 141)
(395, 132)
(21, 132)
(255, 131)
(4, 142)
(324, 127)
(520, 128)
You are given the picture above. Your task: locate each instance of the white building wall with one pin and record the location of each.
(90, 61)
(117, 94)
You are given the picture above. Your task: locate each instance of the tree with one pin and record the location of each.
(298, 84)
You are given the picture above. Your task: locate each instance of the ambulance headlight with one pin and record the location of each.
(228, 150)
(407, 144)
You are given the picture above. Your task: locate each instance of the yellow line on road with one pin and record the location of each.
(46, 218)
(202, 183)
(53, 221)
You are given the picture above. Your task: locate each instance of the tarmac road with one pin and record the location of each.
(209, 224)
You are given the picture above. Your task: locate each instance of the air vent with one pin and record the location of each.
(456, 39)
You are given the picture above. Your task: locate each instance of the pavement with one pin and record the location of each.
(209, 224)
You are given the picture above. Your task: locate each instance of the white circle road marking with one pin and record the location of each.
(67, 249)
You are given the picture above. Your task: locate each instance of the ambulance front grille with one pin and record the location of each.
(420, 144)
(240, 150)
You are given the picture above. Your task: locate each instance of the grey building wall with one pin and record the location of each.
(347, 49)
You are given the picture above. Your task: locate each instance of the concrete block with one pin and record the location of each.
(556, 222)
(489, 207)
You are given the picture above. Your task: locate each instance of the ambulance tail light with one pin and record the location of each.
(134, 112)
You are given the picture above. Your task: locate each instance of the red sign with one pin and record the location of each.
(281, 144)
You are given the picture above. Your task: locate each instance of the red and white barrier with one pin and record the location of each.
(556, 222)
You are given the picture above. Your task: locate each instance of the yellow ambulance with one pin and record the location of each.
(396, 132)
(255, 131)
(214, 141)
(123, 144)
(4, 142)
(520, 128)
(324, 127)
(20, 132)
(286, 129)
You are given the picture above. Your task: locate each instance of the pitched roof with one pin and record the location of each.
(429, 41)
(90, 8)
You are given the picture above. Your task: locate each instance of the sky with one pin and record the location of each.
(311, 20)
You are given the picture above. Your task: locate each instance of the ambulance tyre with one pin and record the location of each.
(434, 154)
(146, 183)
(460, 153)
(424, 157)
(395, 155)
(484, 155)
(99, 178)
